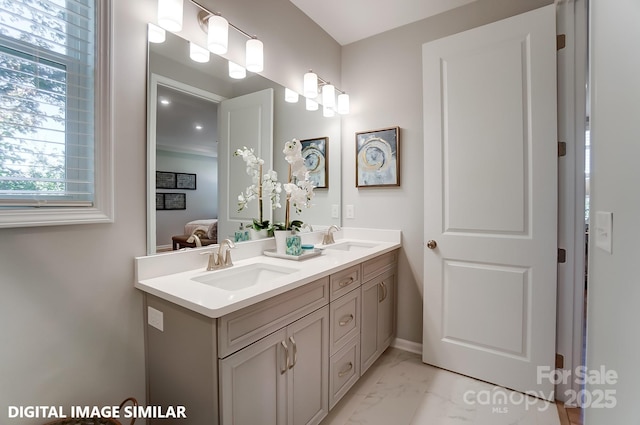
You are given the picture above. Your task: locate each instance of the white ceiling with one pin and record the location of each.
(352, 20)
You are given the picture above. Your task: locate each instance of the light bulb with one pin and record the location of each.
(343, 103)
(255, 56)
(290, 96)
(236, 71)
(310, 85)
(218, 34)
(170, 15)
(156, 34)
(329, 96)
(197, 53)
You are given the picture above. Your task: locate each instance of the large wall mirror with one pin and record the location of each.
(193, 180)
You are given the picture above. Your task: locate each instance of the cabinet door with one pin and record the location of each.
(369, 324)
(253, 383)
(378, 318)
(308, 380)
(386, 312)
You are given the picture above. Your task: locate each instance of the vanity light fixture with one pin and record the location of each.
(313, 84)
(328, 96)
(236, 71)
(255, 55)
(197, 53)
(155, 33)
(217, 29)
(291, 96)
(311, 105)
(343, 103)
(170, 15)
(218, 34)
(310, 85)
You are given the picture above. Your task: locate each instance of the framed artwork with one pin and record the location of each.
(165, 180)
(378, 158)
(315, 153)
(171, 201)
(185, 181)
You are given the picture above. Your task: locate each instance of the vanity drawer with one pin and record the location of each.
(345, 320)
(344, 371)
(380, 264)
(345, 281)
(243, 327)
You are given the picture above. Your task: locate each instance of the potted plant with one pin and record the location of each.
(264, 186)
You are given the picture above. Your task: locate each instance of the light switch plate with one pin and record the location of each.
(603, 230)
(335, 211)
(155, 318)
(350, 211)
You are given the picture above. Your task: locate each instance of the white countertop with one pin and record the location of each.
(169, 276)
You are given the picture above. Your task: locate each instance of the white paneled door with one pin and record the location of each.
(490, 201)
(244, 121)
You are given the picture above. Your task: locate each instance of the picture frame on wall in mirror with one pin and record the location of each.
(165, 180)
(378, 158)
(186, 181)
(171, 201)
(315, 153)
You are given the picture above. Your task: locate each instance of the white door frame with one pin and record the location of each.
(572, 20)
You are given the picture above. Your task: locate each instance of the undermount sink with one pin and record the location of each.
(350, 246)
(241, 277)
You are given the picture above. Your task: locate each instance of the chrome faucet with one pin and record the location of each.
(222, 258)
(328, 237)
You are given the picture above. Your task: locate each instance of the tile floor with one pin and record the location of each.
(401, 390)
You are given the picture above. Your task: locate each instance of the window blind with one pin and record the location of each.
(47, 135)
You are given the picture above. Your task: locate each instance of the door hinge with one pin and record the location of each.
(559, 361)
(562, 255)
(562, 148)
(561, 41)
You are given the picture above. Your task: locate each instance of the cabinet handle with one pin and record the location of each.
(345, 370)
(286, 358)
(345, 320)
(346, 282)
(295, 352)
(384, 292)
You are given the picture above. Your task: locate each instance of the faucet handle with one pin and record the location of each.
(214, 260)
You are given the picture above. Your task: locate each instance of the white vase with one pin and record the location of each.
(258, 234)
(281, 240)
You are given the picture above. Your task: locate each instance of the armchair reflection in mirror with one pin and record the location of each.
(192, 129)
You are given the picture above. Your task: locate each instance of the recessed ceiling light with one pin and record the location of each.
(165, 101)
(198, 127)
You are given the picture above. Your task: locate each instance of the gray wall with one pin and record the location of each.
(613, 278)
(383, 75)
(71, 320)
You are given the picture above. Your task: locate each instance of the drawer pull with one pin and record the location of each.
(347, 282)
(346, 370)
(345, 320)
(295, 352)
(286, 358)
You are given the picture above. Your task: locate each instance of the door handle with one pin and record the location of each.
(286, 358)
(384, 291)
(345, 320)
(346, 370)
(431, 244)
(347, 282)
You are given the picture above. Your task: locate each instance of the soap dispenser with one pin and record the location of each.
(241, 234)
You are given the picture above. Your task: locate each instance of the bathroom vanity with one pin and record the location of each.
(269, 340)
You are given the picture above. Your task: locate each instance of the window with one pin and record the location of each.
(55, 138)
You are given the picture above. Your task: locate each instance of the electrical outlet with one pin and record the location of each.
(350, 212)
(155, 318)
(335, 211)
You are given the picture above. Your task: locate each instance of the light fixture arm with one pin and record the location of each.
(323, 82)
(203, 17)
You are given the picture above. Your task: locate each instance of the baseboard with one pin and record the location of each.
(406, 345)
